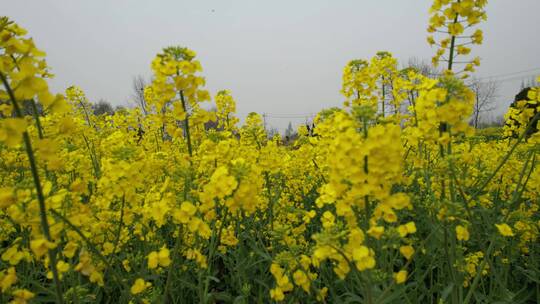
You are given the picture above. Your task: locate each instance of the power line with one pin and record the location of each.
(509, 74)
(518, 77)
(286, 115)
(521, 77)
(292, 116)
(504, 77)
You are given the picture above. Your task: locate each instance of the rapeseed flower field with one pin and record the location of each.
(392, 198)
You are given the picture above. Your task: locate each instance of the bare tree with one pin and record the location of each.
(423, 67)
(138, 93)
(485, 94)
(289, 131)
(528, 83)
(120, 109)
(272, 131)
(498, 121)
(493, 121)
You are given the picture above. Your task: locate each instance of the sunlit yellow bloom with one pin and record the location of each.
(301, 279)
(376, 231)
(406, 229)
(407, 251)
(462, 233)
(7, 197)
(40, 247)
(504, 229)
(160, 258)
(7, 278)
(21, 296)
(139, 286)
(401, 276)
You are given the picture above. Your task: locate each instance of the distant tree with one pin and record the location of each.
(271, 132)
(492, 121)
(212, 124)
(289, 131)
(290, 135)
(485, 94)
(103, 107)
(120, 109)
(528, 83)
(139, 83)
(423, 67)
(498, 121)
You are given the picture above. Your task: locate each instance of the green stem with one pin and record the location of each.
(213, 248)
(91, 246)
(93, 157)
(166, 295)
(186, 122)
(36, 118)
(452, 47)
(86, 113)
(505, 159)
(385, 292)
(120, 224)
(270, 201)
(383, 96)
(319, 170)
(367, 207)
(450, 261)
(478, 274)
(41, 198)
(486, 256)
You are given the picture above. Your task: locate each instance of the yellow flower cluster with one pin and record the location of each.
(523, 117)
(226, 107)
(450, 19)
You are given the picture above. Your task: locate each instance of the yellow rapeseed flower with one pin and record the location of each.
(504, 229)
(7, 197)
(407, 251)
(21, 296)
(401, 276)
(462, 233)
(408, 228)
(7, 279)
(40, 247)
(160, 258)
(139, 286)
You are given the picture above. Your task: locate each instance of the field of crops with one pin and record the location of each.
(393, 198)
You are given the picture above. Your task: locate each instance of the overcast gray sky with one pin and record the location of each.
(280, 57)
